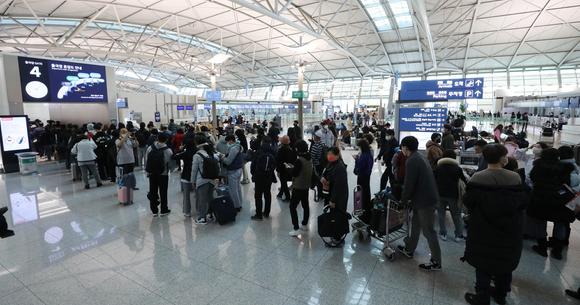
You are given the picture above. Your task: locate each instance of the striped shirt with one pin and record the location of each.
(316, 152)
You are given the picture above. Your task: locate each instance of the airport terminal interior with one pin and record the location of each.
(434, 143)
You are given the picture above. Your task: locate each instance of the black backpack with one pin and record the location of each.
(265, 164)
(211, 168)
(156, 161)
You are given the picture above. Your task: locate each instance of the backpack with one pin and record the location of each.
(156, 161)
(211, 168)
(265, 163)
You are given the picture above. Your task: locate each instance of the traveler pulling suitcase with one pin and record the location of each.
(224, 210)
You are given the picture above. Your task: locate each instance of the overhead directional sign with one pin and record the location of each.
(180, 107)
(299, 94)
(422, 119)
(444, 89)
(213, 96)
(188, 107)
(424, 85)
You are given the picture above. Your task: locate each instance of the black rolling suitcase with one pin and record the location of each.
(224, 210)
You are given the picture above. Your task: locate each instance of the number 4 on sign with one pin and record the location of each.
(35, 71)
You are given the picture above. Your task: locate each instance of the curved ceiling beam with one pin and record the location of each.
(272, 15)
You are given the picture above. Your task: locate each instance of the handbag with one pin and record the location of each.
(461, 190)
(332, 223)
(249, 156)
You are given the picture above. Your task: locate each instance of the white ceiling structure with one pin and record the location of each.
(161, 45)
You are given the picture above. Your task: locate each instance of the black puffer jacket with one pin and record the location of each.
(285, 155)
(447, 175)
(337, 178)
(187, 157)
(495, 232)
(547, 204)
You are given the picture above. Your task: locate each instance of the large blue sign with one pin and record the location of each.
(450, 84)
(422, 119)
(180, 107)
(213, 96)
(188, 107)
(441, 94)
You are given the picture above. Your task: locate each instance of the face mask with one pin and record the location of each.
(332, 158)
(404, 152)
(325, 127)
(536, 151)
(388, 138)
(437, 140)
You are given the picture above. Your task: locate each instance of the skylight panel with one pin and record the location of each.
(383, 24)
(377, 12)
(369, 2)
(404, 21)
(399, 7)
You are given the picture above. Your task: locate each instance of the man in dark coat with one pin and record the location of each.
(496, 200)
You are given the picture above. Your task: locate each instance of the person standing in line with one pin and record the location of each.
(67, 135)
(326, 136)
(478, 148)
(85, 151)
(172, 127)
(101, 139)
(447, 142)
(176, 143)
(337, 179)
(525, 120)
(388, 145)
(434, 150)
(285, 155)
(273, 133)
(447, 175)
(234, 161)
(262, 170)
(319, 160)
(497, 200)
(297, 130)
(241, 135)
(125, 155)
(158, 167)
(421, 189)
(204, 188)
(185, 153)
(301, 178)
(363, 169)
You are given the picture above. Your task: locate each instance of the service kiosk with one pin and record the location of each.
(15, 141)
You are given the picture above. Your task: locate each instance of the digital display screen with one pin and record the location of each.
(14, 133)
(122, 102)
(422, 119)
(24, 208)
(574, 102)
(57, 81)
(422, 137)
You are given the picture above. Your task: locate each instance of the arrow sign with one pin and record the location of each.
(478, 82)
(477, 93)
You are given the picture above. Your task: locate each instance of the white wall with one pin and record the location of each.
(149, 103)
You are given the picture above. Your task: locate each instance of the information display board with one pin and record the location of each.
(14, 133)
(574, 102)
(188, 107)
(57, 81)
(180, 107)
(213, 96)
(122, 102)
(444, 89)
(421, 123)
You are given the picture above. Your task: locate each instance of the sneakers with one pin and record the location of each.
(87, 187)
(201, 221)
(459, 239)
(477, 299)
(406, 253)
(155, 214)
(99, 184)
(256, 217)
(165, 213)
(443, 237)
(245, 181)
(430, 266)
(304, 228)
(186, 214)
(210, 217)
(294, 233)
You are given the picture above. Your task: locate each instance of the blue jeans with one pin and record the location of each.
(235, 186)
(455, 215)
(559, 231)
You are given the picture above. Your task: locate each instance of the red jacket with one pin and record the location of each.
(177, 141)
(401, 161)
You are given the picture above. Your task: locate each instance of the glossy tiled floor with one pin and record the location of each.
(77, 246)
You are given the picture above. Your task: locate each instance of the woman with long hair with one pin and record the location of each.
(292, 135)
(185, 153)
(244, 142)
(497, 133)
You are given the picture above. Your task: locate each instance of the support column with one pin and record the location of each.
(213, 106)
(391, 95)
(508, 79)
(300, 107)
(559, 78)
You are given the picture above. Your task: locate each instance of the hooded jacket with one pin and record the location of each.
(434, 153)
(177, 141)
(447, 175)
(167, 154)
(548, 178)
(257, 177)
(222, 145)
(197, 169)
(495, 232)
(234, 159)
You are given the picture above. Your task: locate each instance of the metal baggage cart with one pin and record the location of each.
(396, 224)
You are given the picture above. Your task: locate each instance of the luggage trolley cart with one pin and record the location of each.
(387, 213)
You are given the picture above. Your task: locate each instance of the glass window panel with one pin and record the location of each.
(399, 7)
(383, 24)
(404, 21)
(376, 12)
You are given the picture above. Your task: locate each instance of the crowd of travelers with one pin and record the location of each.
(493, 208)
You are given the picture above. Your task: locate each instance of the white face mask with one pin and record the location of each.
(387, 138)
(402, 150)
(536, 150)
(325, 127)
